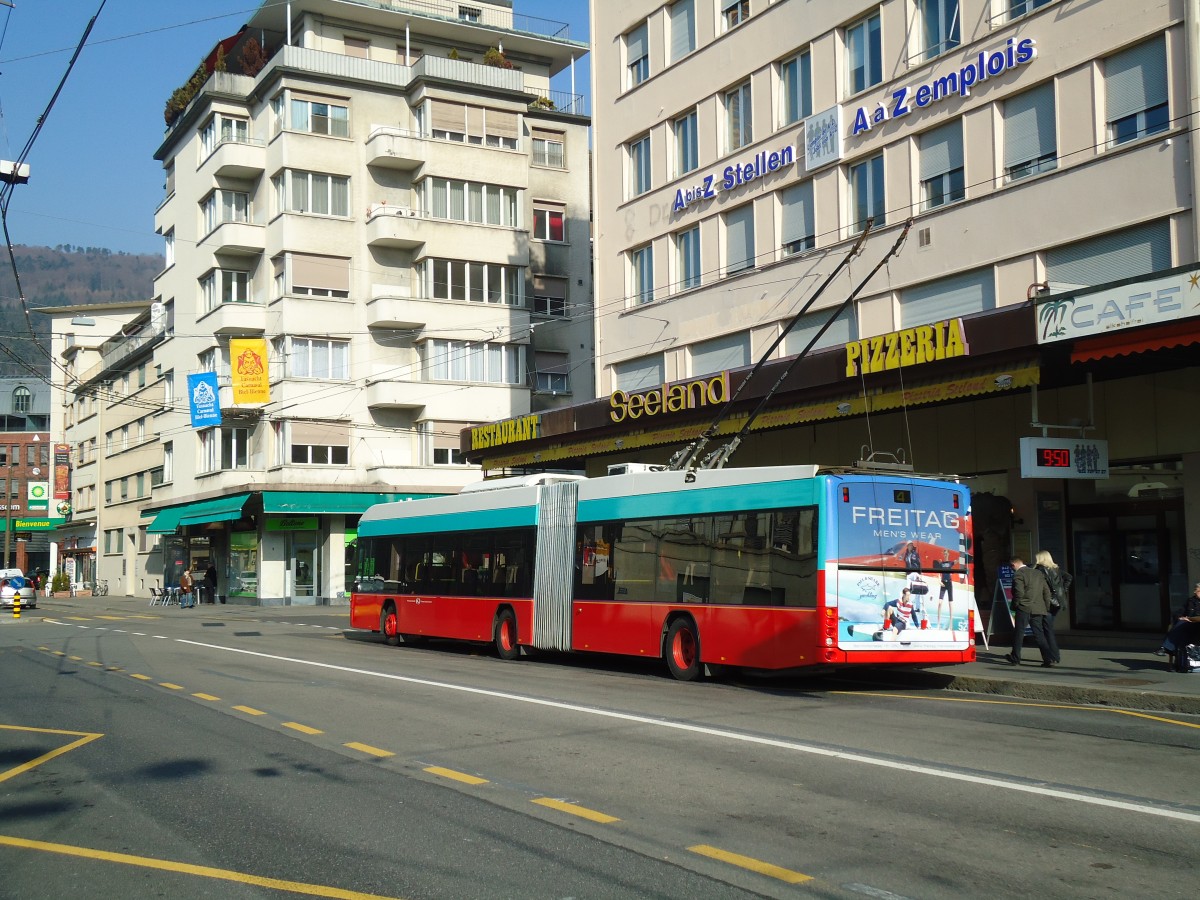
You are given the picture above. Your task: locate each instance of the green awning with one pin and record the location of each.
(296, 503)
(166, 521)
(221, 509)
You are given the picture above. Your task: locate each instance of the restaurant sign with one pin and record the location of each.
(906, 347)
(1151, 301)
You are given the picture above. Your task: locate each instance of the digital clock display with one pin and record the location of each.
(1053, 458)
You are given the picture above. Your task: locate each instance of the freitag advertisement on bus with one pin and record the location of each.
(898, 568)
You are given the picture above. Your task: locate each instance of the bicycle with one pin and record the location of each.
(100, 589)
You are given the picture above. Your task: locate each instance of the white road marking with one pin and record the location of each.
(725, 734)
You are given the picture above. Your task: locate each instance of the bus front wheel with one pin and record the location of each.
(389, 624)
(682, 650)
(504, 633)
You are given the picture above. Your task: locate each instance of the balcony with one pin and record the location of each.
(391, 307)
(236, 239)
(296, 313)
(395, 148)
(394, 226)
(393, 394)
(236, 319)
(455, 159)
(237, 159)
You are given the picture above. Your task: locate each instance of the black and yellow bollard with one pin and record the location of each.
(17, 605)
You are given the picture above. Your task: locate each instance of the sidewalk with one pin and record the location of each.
(1097, 668)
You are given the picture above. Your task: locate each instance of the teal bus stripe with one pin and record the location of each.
(772, 495)
(472, 520)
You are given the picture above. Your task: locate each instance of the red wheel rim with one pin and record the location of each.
(389, 624)
(683, 649)
(506, 634)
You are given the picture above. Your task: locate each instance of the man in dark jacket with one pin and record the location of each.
(1031, 607)
(1185, 630)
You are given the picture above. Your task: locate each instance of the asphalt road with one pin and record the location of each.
(272, 745)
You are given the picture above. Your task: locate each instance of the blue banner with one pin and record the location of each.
(204, 399)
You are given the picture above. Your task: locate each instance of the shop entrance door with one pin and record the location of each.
(1128, 568)
(304, 567)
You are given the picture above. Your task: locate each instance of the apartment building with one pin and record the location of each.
(1040, 306)
(394, 199)
(25, 473)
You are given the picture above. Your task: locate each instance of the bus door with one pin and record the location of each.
(897, 563)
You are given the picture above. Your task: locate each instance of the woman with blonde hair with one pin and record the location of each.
(1059, 581)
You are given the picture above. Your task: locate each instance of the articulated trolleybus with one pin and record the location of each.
(767, 569)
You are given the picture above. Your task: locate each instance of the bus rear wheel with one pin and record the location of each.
(389, 624)
(504, 634)
(682, 650)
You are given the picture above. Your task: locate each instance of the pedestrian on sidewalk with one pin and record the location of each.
(210, 583)
(1185, 630)
(1031, 608)
(1059, 580)
(186, 587)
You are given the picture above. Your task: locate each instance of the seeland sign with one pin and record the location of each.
(670, 398)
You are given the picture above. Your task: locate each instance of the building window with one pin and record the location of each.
(638, 374)
(687, 257)
(948, 298)
(1110, 257)
(683, 28)
(841, 331)
(866, 193)
(1030, 146)
(942, 179)
(798, 231)
(548, 148)
(22, 399)
(552, 373)
(548, 222)
(169, 248)
(318, 117)
(448, 456)
(455, 279)
(224, 449)
(686, 144)
(314, 358)
(739, 239)
(864, 49)
(312, 192)
(168, 466)
(473, 124)
(795, 76)
(1018, 8)
(462, 201)
(734, 13)
(223, 206)
(112, 541)
(469, 361)
(223, 129)
(637, 56)
(470, 13)
(639, 166)
(312, 276)
(549, 295)
(642, 270)
(224, 286)
(939, 27)
(359, 48)
(1135, 81)
(730, 351)
(738, 117)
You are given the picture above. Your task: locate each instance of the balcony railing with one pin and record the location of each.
(560, 101)
(452, 11)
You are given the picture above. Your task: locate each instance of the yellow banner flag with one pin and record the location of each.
(248, 360)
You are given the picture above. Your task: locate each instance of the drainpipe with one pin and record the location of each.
(1191, 48)
(573, 79)
(289, 24)
(407, 47)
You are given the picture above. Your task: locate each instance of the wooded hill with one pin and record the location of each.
(65, 275)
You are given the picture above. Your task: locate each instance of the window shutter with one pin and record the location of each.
(550, 286)
(1111, 257)
(1029, 125)
(739, 238)
(941, 150)
(842, 331)
(729, 352)
(551, 363)
(475, 121)
(947, 298)
(502, 124)
(636, 43)
(448, 116)
(357, 47)
(639, 374)
(327, 434)
(798, 222)
(328, 273)
(1136, 79)
(683, 29)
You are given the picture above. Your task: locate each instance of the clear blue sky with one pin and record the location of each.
(94, 181)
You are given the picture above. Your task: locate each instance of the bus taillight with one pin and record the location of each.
(830, 628)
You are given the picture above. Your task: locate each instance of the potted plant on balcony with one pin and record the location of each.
(495, 58)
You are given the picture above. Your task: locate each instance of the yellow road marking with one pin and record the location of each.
(305, 729)
(76, 658)
(113, 669)
(80, 618)
(296, 887)
(58, 653)
(457, 776)
(754, 865)
(46, 649)
(206, 696)
(250, 710)
(582, 811)
(1033, 705)
(143, 617)
(85, 737)
(367, 748)
(167, 684)
(112, 618)
(140, 677)
(98, 665)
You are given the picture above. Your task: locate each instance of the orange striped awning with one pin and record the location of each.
(1137, 340)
